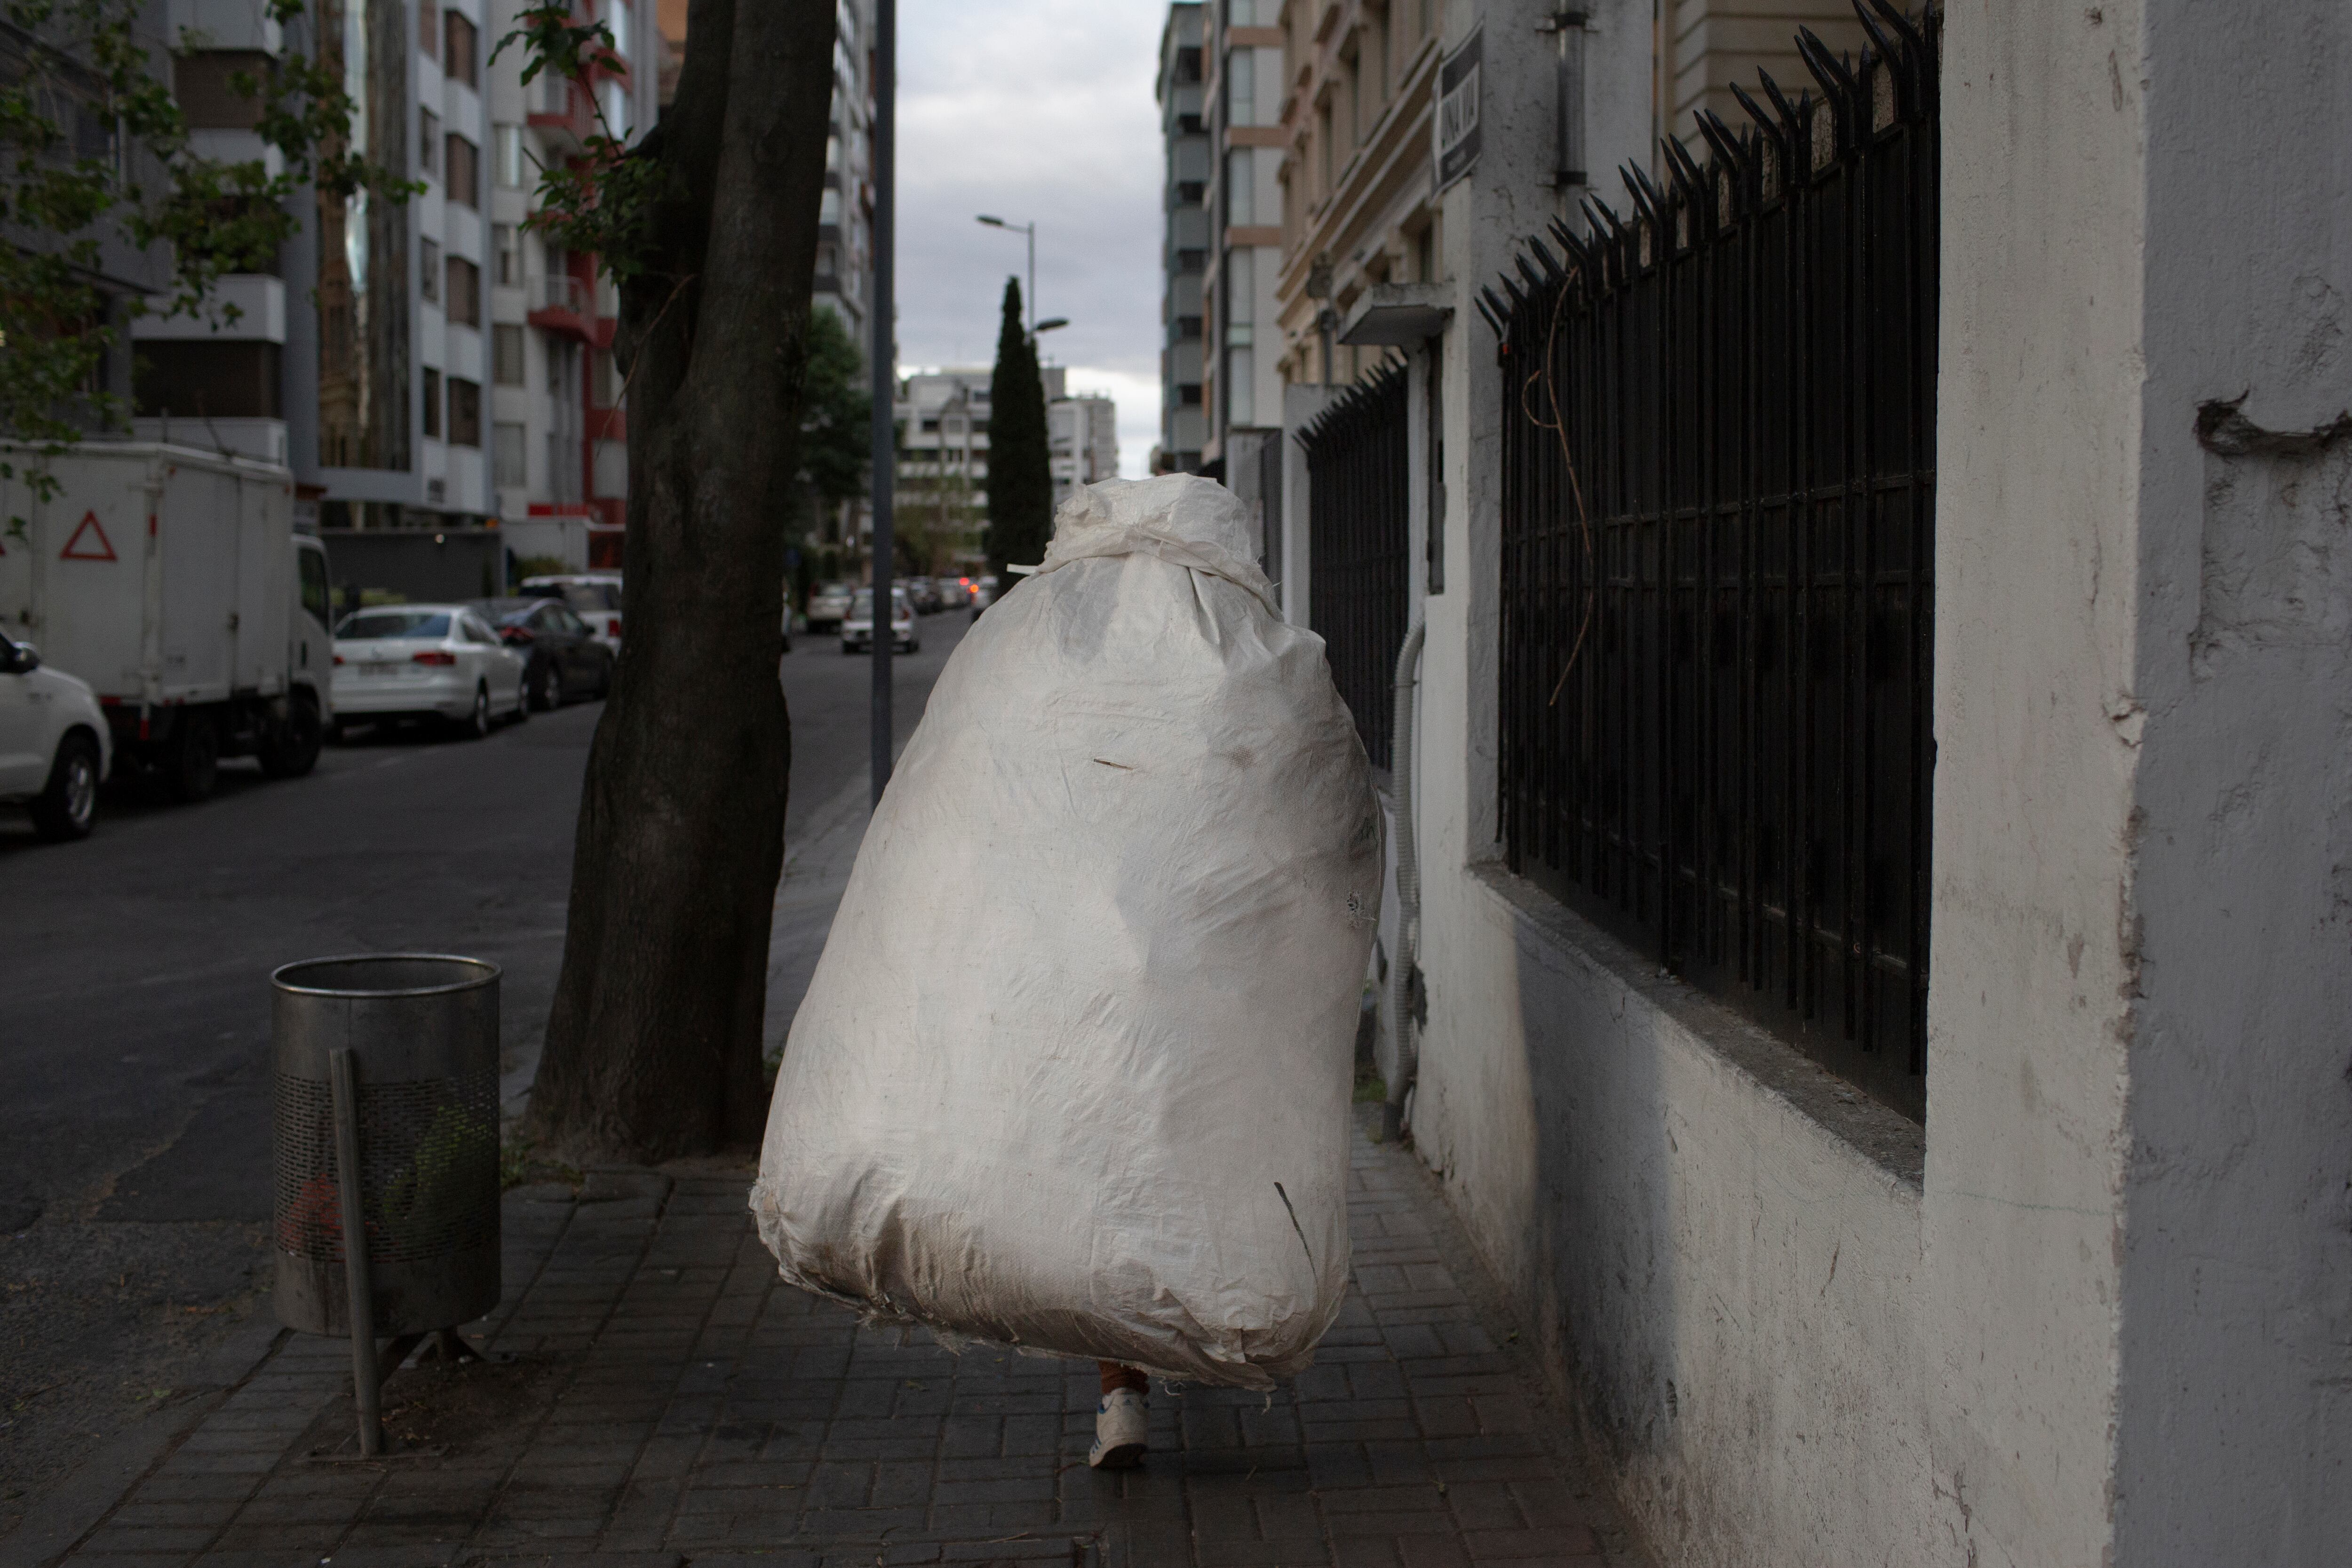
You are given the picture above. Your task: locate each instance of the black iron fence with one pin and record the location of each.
(1357, 526)
(1716, 540)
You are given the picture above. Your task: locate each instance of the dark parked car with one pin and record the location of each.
(566, 657)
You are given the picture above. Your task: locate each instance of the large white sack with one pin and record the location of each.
(1073, 1073)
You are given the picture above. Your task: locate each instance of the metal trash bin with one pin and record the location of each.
(389, 1063)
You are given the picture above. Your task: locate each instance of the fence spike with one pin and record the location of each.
(1512, 288)
(1495, 305)
(1918, 55)
(1720, 137)
(1683, 169)
(1838, 84)
(1579, 254)
(1535, 281)
(1479, 305)
(1764, 124)
(1891, 60)
(1637, 184)
(1550, 264)
(1793, 115)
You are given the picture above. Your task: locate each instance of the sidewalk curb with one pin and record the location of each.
(82, 1501)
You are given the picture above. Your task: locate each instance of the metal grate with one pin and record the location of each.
(1359, 503)
(1718, 531)
(428, 1168)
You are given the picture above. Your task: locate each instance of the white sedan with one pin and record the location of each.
(53, 743)
(857, 626)
(426, 661)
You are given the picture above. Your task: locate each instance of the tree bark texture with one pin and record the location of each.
(654, 1042)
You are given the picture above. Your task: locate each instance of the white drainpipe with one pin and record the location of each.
(1404, 970)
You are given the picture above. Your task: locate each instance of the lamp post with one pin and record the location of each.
(1029, 230)
(883, 362)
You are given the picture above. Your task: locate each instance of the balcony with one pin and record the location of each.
(561, 114)
(560, 302)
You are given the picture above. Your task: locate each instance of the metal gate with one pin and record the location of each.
(1357, 524)
(1718, 536)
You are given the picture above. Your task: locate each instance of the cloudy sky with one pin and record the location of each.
(1034, 109)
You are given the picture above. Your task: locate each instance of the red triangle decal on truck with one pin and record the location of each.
(75, 550)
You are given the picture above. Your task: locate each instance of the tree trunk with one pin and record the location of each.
(653, 1044)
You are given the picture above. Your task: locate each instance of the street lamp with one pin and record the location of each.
(1051, 323)
(1030, 229)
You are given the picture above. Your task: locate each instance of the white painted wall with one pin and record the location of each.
(2137, 1178)
(1716, 1248)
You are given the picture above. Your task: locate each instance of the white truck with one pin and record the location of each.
(171, 581)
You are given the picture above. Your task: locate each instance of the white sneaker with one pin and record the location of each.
(1121, 1431)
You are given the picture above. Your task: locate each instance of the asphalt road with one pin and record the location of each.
(134, 1013)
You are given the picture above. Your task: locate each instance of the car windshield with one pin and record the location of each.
(863, 605)
(425, 626)
(831, 590)
(592, 595)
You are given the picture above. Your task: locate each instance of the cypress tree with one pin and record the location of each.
(1020, 474)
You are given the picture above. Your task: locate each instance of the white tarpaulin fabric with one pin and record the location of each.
(1074, 1071)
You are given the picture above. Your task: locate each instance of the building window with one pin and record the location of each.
(508, 247)
(1241, 88)
(464, 302)
(506, 354)
(465, 412)
(509, 467)
(1241, 187)
(1241, 391)
(428, 272)
(510, 155)
(428, 141)
(428, 29)
(828, 206)
(603, 386)
(458, 59)
(433, 402)
(465, 172)
(208, 94)
(1424, 253)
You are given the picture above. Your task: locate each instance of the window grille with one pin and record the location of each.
(1715, 620)
(1357, 505)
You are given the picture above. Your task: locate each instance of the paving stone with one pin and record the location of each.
(696, 1406)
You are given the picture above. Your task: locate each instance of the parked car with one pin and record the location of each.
(925, 594)
(426, 661)
(857, 626)
(563, 656)
(594, 596)
(55, 748)
(983, 594)
(955, 593)
(172, 580)
(828, 603)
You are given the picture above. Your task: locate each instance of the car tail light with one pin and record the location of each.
(617, 625)
(433, 656)
(515, 634)
(339, 659)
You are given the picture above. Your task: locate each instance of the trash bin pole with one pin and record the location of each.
(366, 1375)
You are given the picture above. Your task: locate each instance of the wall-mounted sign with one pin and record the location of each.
(1457, 110)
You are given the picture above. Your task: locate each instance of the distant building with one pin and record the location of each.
(1241, 379)
(940, 503)
(1082, 437)
(1184, 252)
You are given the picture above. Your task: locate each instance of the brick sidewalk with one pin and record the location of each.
(671, 1403)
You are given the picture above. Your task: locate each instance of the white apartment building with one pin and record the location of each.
(558, 440)
(1082, 438)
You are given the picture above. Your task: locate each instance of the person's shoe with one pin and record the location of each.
(1120, 1431)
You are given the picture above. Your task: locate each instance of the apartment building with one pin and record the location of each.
(1082, 437)
(1184, 241)
(941, 501)
(1359, 189)
(558, 444)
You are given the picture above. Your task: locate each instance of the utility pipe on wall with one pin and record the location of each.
(1404, 974)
